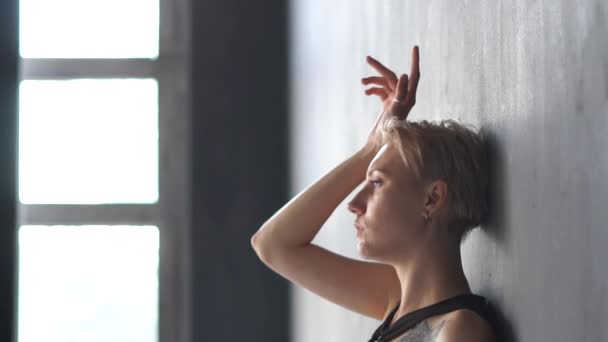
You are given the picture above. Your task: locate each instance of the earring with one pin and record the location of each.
(427, 219)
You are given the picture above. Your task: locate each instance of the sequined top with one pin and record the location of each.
(413, 326)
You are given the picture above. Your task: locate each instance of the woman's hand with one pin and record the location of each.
(398, 95)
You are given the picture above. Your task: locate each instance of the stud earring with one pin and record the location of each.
(427, 219)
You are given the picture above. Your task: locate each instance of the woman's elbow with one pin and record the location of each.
(260, 248)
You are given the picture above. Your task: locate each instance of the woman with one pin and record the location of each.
(425, 191)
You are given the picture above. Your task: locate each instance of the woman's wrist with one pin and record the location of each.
(367, 153)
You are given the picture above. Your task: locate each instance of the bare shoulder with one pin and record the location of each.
(464, 325)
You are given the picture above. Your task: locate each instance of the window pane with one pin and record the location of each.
(89, 28)
(88, 283)
(88, 141)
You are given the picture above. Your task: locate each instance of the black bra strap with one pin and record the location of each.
(466, 301)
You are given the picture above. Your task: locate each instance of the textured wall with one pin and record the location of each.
(534, 76)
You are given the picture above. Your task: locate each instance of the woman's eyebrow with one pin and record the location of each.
(372, 171)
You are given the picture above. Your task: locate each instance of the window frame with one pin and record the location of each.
(172, 213)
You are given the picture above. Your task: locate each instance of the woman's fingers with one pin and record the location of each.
(403, 88)
(414, 76)
(402, 92)
(384, 71)
(377, 91)
(378, 81)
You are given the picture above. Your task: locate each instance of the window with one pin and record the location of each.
(103, 171)
(88, 141)
(88, 283)
(89, 29)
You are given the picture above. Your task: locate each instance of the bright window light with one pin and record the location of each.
(88, 141)
(88, 283)
(89, 28)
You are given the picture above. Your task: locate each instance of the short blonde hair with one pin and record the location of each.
(453, 152)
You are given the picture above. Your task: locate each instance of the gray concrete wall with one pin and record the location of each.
(534, 76)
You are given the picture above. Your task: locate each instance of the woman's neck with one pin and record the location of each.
(435, 273)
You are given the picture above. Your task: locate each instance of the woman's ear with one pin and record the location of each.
(435, 196)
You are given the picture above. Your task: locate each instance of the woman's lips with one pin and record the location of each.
(358, 228)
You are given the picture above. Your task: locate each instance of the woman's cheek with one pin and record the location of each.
(382, 216)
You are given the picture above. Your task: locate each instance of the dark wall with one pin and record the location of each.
(8, 153)
(239, 106)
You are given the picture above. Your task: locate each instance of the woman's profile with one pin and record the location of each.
(424, 190)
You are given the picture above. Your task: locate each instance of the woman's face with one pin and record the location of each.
(389, 209)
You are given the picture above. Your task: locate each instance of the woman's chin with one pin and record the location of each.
(362, 249)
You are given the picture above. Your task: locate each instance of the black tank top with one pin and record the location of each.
(465, 301)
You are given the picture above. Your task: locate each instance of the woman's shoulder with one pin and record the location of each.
(455, 325)
(460, 325)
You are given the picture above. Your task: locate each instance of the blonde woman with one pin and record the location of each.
(424, 190)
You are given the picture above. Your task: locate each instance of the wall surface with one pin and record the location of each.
(534, 77)
(239, 167)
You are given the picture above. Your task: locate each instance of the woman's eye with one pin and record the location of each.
(375, 183)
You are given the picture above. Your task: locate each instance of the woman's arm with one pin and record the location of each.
(283, 242)
(298, 221)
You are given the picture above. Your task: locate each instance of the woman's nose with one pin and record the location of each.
(353, 209)
(356, 207)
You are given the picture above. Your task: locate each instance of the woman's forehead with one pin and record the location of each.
(387, 159)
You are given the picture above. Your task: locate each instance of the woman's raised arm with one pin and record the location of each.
(283, 242)
(298, 221)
